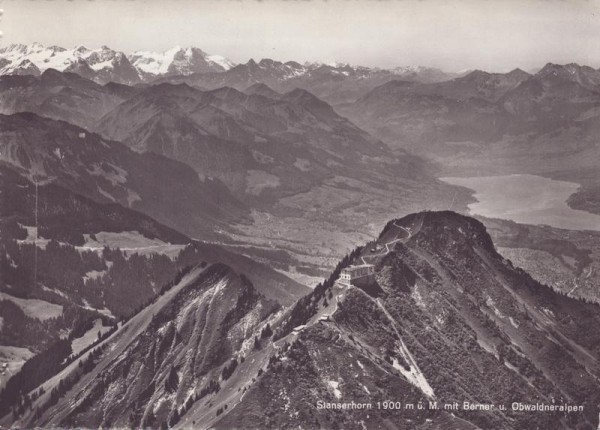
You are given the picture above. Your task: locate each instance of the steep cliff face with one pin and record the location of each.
(176, 351)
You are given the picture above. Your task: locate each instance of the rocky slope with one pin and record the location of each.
(163, 358)
(444, 320)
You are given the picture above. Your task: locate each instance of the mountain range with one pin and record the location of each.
(46, 150)
(334, 83)
(261, 153)
(257, 143)
(480, 106)
(497, 123)
(107, 65)
(192, 65)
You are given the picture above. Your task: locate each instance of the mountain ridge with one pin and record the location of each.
(105, 65)
(443, 320)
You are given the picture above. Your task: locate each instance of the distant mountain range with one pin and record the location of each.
(495, 123)
(263, 145)
(480, 106)
(334, 84)
(107, 65)
(196, 67)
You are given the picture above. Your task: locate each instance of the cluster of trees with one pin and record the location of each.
(35, 371)
(62, 267)
(128, 283)
(57, 274)
(65, 384)
(59, 267)
(221, 409)
(99, 339)
(229, 369)
(265, 333)
(47, 363)
(23, 331)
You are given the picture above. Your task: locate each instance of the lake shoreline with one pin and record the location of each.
(526, 199)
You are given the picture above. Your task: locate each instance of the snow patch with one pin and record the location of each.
(32, 237)
(334, 385)
(548, 312)
(107, 195)
(298, 329)
(302, 164)
(258, 180)
(416, 296)
(115, 176)
(93, 274)
(221, 61)
(414, 376)
(103, 311)
(492, 305)
(55, 291)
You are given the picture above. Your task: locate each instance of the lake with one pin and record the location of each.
(527, 199)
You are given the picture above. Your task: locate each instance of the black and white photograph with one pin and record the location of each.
(291, 214)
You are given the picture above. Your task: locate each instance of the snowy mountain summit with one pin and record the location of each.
(178, 61)
(104, 64)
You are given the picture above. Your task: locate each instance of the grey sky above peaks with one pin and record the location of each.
(494, 35)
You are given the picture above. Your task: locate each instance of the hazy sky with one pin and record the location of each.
(495, 35)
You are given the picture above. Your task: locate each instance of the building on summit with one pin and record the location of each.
(351, 273)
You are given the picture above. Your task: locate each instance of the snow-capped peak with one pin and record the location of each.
(104, 64)
(178, 60)
(110, 63)
(225, 63)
